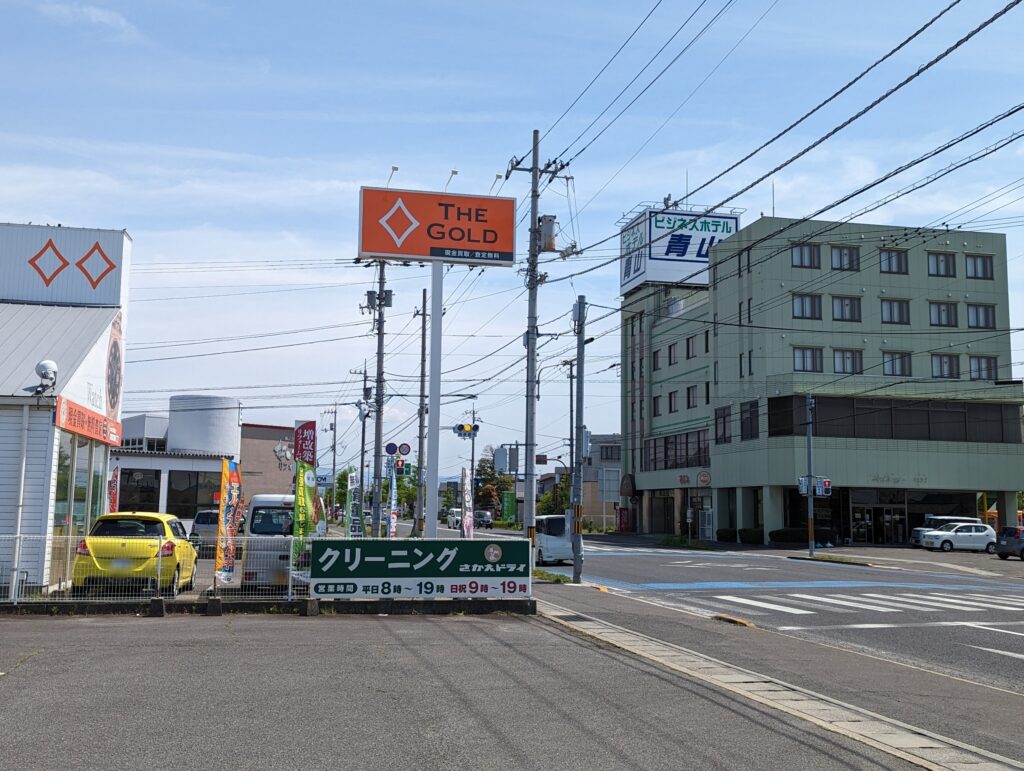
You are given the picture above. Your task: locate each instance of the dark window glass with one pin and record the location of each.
(892, 261)
(833, 416)
(140, 490)
(873, 418)
(984, 423)
(979, 266)
(948, 422)
(806, 306)
(941, 264)
(128, 527)
(895, 311)
(909, 420)
(806, 255)
(846, 258)
(723, 425)
(749, 428)
(846, 309)
(781, 414)
(942, 314)
(981, 316)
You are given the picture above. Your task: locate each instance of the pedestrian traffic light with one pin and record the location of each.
(826, 487)
(400, 467)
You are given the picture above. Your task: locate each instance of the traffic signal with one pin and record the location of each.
(400, 467)
(826, 487)
(466, 430)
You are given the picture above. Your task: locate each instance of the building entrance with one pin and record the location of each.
(881, 525)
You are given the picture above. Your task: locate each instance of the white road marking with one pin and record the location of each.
(1007, 600)
(1011, 654)
(995, 629)
(838, 626)
(918, 625)
(884, 599)
(915, 599)
(768, 605)
(845, 602)
(970, 601)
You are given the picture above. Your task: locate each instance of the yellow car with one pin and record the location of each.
(135, 548)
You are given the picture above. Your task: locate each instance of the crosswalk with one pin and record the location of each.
(800, 604)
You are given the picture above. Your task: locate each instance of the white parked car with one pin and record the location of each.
(455, 519)
(959, 536)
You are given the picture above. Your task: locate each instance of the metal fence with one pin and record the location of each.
(52, 569)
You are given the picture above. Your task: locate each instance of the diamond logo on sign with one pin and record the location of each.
(54, 253)
(83, 265)
(399, 209)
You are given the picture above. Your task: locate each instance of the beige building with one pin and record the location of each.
(268, 465)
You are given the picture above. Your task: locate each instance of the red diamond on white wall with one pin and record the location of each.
(42, 262)
(83, 265)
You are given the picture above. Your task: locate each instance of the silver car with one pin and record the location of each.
(267, 556)
(204, 530)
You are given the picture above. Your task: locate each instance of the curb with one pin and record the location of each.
(734, 620)
(843, 561)
(216, 606)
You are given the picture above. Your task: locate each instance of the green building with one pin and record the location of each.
(900, 335)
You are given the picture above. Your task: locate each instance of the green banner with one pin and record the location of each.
(420, 568)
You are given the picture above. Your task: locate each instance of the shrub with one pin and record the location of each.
(748, 535)
(799, 535)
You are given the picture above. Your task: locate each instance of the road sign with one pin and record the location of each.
(438, 227)
(802, 482)
(341, 569)
(404, 448)
(391, 448)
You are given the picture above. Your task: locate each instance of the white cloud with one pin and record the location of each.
(75, 13)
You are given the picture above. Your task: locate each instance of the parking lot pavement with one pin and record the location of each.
(380, 692)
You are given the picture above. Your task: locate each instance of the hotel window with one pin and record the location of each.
(848, 362)
(707, 342)
(895, 311)
(673, 355)
(892, 261)
(896, 363)
(806, 306)
(707, 392)
(655, 361)
(806, 255)
(656, 406)
(723, 425)
(691, 397)
(981, 316)
(979, 266)
(739, 317)
(673, 401)
(691, 347)
(846, 309)
(807, 360)
(942, 314)
(748, 420)
(983, 367)
(750, 303)
(946, 365)
(941, 264)
(750, 362)
(741, 366)
(846, 258)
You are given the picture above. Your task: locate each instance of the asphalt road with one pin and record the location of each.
(959, 624)
(372, 693)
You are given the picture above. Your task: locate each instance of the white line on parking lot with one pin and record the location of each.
(994, 629)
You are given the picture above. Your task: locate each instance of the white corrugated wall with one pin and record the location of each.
(40, 468)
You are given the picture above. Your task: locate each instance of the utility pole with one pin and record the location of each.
(334, 458)
(381, 302)
(810, 475)
(530, 473)
(551, 169)
(418, 522)
(472, 462)
(579, 319)
(570, 363)
(364, 413)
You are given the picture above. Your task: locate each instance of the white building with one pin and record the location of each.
(63, 296)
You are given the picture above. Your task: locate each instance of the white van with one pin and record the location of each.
(267, 557)
(934, 522)
(454, 518)
(554, 541)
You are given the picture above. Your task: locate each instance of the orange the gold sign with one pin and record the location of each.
(442, 227)
(80, 420)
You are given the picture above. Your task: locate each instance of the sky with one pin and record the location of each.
(230, 139)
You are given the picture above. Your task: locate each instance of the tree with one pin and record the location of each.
(556, 500)
(487, 498)
(487, 475)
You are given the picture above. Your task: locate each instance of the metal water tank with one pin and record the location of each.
(208, 424)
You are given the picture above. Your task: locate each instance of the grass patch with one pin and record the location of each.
(830, 558)
(547, 575)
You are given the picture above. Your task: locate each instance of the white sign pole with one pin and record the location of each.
(431, 510)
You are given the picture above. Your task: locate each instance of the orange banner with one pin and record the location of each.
(417, 225)
(81, 420)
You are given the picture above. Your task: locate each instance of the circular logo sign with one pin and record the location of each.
(309, 478)
(492, 553)
(404, 448)
(704, 478)
(391, 448)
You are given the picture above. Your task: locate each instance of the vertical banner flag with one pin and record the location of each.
(305, 485)
(393, 503)
(467, 504)
(113, 488)
(227, 520)
(348, 514)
